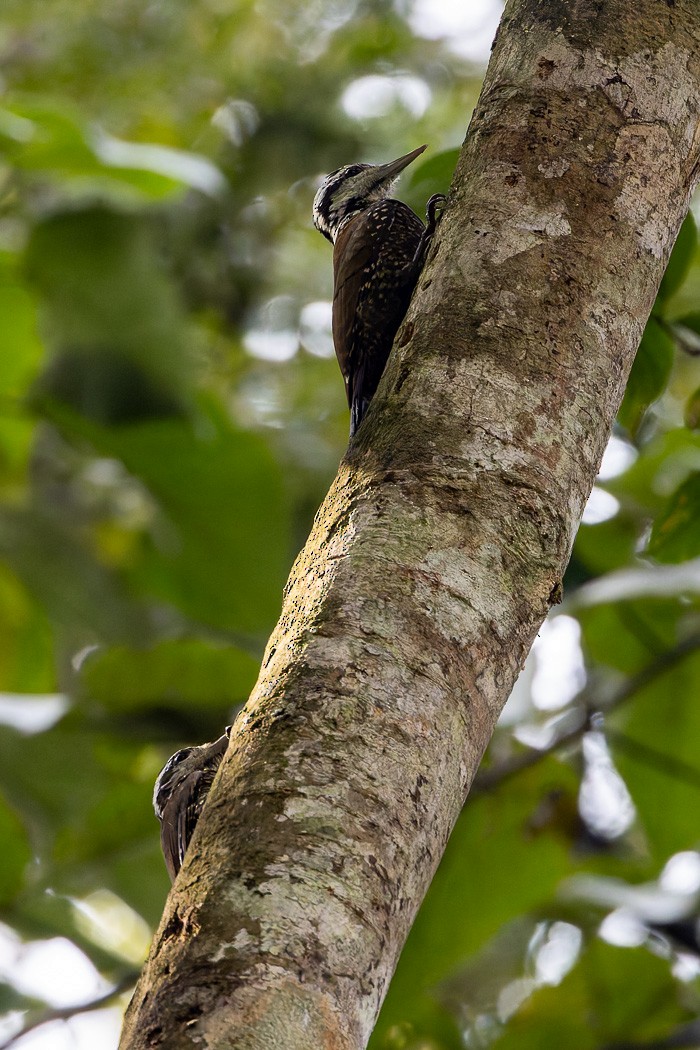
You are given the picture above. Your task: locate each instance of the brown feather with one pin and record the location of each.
(374, 277)
(180, 794)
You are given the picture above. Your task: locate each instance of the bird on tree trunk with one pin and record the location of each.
(380, 245)
(180, 793)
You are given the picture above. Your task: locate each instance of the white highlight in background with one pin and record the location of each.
(681, 873)
(604, 801)
(273, 336)
(618, 456)
(32, 712)
(376, 96)
(55, 971)
(315, 328)
(601, 506)
(467, 29)
(560, 672)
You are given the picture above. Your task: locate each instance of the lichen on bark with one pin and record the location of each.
(443, 539)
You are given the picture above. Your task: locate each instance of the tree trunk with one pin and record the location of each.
(442, 542)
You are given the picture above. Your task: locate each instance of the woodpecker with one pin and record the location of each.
(180, 793)
(379, 249)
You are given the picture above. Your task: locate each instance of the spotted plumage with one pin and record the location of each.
(180, 793)
(379, 249)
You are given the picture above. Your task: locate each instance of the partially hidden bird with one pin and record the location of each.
(180, 793)
(380, 246)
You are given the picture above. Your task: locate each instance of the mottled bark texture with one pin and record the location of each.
(442, 542)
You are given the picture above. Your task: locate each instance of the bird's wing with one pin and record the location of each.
(352, 255)
(179, 818)
(373, 281)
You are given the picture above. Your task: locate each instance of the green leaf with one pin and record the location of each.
(173, 165)
(628, 632)
(43, 136)
(605, 546)
(11, 999)
(665, 719)
(38, 915)
(39, 782)
(691, 415)
(663, 464)
(26, 642)
(675, 535)
(113, 316)
(220, 550)
(115, 820)
(16, 853)
(493, 870)
(20, 348)
(687, 330)
(185, 674)
(681, 259)
(649, 375)
(434, 175)
(85, 797)
(641, 580)
(67, 580)
(613, 995)
(20, 358)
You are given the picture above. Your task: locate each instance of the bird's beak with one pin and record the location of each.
(383, 172)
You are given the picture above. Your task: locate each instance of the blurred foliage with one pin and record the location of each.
(170, 418)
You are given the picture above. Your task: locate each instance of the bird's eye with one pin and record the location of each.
(180, 756)
(175, 761)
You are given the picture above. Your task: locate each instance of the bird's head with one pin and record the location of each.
(176, 767)
(182, 764)
(353, 188)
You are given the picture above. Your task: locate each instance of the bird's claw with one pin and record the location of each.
(433, 211)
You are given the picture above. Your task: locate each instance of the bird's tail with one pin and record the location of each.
(357, 412)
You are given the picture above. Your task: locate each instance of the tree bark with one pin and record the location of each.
(442, 542)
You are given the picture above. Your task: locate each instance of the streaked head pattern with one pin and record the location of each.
(180, 793)
(353, 189)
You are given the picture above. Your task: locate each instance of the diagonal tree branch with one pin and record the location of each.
(588, 704)
(442, 542)
(65, 1013)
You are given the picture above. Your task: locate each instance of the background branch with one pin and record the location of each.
(64, 1013)
(589, 704)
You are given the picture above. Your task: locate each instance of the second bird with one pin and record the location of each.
(379, 249)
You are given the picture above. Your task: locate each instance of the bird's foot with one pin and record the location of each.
(433, 211)
(433, 214)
